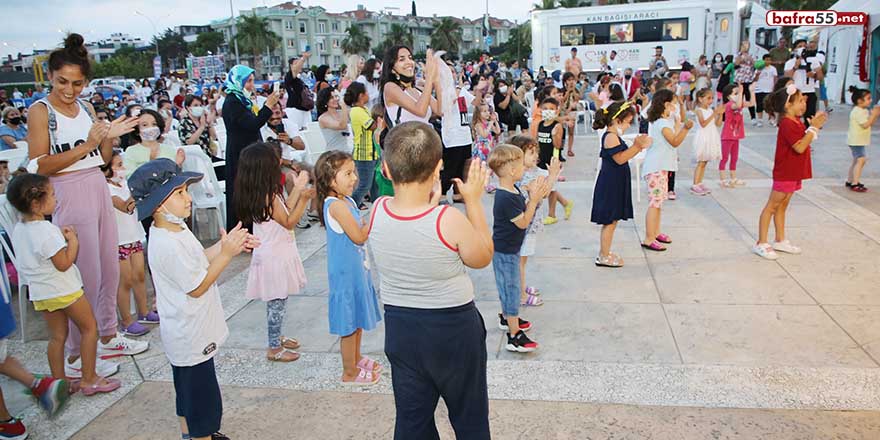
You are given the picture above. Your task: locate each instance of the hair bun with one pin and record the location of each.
(75, 44)
(852, 89)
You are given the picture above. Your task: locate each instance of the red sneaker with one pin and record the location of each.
(13, 429)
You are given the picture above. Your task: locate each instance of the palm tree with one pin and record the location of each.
(254, 36)
(446, 36)
(399, 34)
(356, 42)
(545, 4)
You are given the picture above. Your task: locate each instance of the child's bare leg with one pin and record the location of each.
(57, 323)
(81, 314)
(699, 172)
(779, 217)
(652, 225)
(348, 350)
(606, 238)
(123, 295)
(857, 170)
(13, 369)
(522, 277)
(551, 205)
(776, 199)
(359, 334)
(138, 282)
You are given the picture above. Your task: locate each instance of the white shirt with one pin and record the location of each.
(804, 84)
(372, 90)
(219, 104)
(35, 244)
(192, 328)
(17, 95)
(456, 126)
(130, 230)
(766, 79)
(287, 152)
(69, 133)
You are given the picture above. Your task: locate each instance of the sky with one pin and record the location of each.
(43, 24)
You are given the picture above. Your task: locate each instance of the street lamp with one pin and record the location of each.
(155, 30)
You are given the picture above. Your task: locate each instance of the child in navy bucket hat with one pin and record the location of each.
(185, 277)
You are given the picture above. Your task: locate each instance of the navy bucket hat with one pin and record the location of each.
(154, 181)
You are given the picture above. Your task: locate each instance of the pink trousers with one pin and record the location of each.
(729, 151)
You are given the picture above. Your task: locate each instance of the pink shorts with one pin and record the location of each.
(126, 250)
(787, 186)
(658, 185)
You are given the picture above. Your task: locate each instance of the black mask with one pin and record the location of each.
(404, 78)
(277, 128)
(14, 121)
(627, 76)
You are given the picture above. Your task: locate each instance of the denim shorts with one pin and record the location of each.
(507, 281)
(857, 151)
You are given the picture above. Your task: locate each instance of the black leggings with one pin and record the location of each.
(747, 95)
(670, 176)
(453, 165)
(812, 103)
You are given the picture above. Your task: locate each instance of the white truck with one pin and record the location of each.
(686, 29)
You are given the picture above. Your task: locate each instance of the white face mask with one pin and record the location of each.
(119, 175)
(197, 111)
(377, 74)
(502, 89)
(548, 114)
(150, 133)
(171, 218)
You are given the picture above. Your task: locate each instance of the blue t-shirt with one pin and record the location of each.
(507, 236)
(19, 134)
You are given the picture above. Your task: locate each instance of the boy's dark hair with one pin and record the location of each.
(658, 104)
(352, 93)
(605, 117)
(257, 182)
(73, 53)
(766, 57)
(412, 151)
(25, 189)
(524, 142)
(550, 100)
(857, 94)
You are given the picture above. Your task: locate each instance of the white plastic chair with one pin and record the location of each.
(529, 101)
(9, 217)
(207, 194)
(313, 126)
(315, 143)
(15, 156)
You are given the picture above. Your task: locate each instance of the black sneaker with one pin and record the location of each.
(218, 436)
(849, 185)
(523, 324)
(520, 343)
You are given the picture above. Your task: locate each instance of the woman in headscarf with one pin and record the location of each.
(243, 120)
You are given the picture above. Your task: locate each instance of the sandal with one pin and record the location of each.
(609, 260)
(289, 343)
(283, 355)
(107, 386)
(532, 291)
(654, 246)
(369, 365)
(570, 153)
(364, 378)
(663, 238)
(532, 301)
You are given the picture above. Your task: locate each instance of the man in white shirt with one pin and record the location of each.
(457, 140)
(805, 68)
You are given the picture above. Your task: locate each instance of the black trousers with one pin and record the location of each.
(671, 179)
(434, 353)
(747, 95)
(812, 103)
(453, 165)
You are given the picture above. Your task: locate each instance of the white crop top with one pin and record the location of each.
(67, 133)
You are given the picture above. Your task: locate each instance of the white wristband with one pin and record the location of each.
(815, 132)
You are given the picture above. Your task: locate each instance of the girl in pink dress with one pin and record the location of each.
(276, 269)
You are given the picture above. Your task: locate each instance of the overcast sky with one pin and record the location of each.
(28, 23)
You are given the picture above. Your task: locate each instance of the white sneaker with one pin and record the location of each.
(760, 124)
(754, 122)
(102, 368)
(787, 247)
(121, 346)
(765, 251)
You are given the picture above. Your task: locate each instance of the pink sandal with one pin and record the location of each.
(364, 378)
(663, 238)
(532, 301)
(108, 386)
(369, 365)
(654, 246)
(533, 291)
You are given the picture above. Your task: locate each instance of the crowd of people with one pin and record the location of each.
(104, 201)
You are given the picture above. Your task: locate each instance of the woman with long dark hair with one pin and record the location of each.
(243, 120)
(402, 100)
(300, 99)
(321, 78)
(333, 117)
(67, 143)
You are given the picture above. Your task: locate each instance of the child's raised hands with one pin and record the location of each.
(555, 166)
(875, 112)
(477, 178)
(238, 240)
(643, 141)
(301, 179)
(819, 120)
(719, 110)
(539, 188)
(688, 124)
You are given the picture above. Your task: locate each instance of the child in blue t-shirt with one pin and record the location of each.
(512, 217)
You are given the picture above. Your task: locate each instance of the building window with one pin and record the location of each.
(337, 60)
(335, 43)
(302, 27)
(322, 27)
(291, 42)
(288, 25)
(335, 26)
(325, 59)
(321, 46)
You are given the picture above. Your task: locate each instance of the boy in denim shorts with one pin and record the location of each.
(512, 217)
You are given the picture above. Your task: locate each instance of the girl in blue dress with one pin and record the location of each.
(353, 304)
(612, 197)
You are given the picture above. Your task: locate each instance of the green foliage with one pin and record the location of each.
(355, 41)
(172, 48)
(545, 4)
(399, 34)
(447, 36)
(519, 45)
(127, 62)
(206, 42)
(472, 55)
(254, 36)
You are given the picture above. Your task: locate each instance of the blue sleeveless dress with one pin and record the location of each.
(612, 197)
(353, 303)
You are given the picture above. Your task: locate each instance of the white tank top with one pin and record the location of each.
(406, 116)
(67, 133)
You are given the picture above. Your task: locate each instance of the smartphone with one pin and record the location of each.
(277, 87)
(308, 48)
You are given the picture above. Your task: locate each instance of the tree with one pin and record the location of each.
(355, 41)
(254, 36)
(545, 4)
(206, 42)
(127, 62)
(472, 55)
(446, 36)
(172, 47)
(519, 45)
(399, 34)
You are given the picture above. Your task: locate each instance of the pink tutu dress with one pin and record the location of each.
(276, 270)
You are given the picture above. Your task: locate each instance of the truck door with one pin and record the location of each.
(723, 30)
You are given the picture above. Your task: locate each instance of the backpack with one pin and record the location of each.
(389, 125)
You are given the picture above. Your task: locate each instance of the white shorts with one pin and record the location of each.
(528, 246)
(2, 351)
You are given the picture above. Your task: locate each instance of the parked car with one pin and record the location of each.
(110, 90)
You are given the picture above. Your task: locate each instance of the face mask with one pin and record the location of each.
(247, 93)
(548, 114)
(111, 106)
(377, 74)
(619, 131)
(717, 59)
(627, 76)
(150, 134)
(197, 112)
(502, 89)
(799, 51)
(405, 79)
(171, 218)
(15, 121)
(118, 175)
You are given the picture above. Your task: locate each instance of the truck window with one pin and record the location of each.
(644, 31)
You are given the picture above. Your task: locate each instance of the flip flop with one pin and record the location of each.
(532, 301)
(609, 261)
(281, 356)
(108, 386)
(289, 343)
(654, 246)
(663, 238)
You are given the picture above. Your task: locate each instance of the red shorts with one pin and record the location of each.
(126, 250)
(787, 186)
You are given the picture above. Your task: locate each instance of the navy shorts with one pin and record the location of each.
(198, 398)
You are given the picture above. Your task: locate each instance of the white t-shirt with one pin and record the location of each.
(456, 127)
(804, 84)
(766, 79)
(192, 328)
(35, 244)
(287, 152)
(219, 104)
(130, 230)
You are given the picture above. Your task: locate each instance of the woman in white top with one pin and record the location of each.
(352, 69)
(68, 144)
(403, 102)
(333, 117)
(369, 77)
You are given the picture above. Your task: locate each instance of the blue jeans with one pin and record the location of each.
(366, 170)
(507, 281)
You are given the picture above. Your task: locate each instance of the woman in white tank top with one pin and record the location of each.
(67, 143)
(399, 94)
